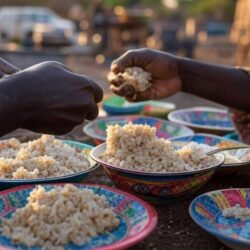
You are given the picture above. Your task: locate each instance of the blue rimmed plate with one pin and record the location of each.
(137, 218)
(206, 211)
(76, 177)
(203, 119)
(164, 129)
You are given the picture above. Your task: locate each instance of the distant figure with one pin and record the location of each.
(240, 33)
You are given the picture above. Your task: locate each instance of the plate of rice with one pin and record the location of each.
(237, 159)
(97, 129)
(136, 160)
(72, 216)
(45, 159)
(226, 215)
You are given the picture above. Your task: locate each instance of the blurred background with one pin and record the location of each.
(87, 35)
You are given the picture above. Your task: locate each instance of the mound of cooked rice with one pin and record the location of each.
(60, 216)
(237, 212)
(41, 158)
(137, 147)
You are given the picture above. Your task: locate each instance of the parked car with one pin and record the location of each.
(35, 25)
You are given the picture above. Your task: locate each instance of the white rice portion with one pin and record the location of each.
(60, 216)
(41, 158)
(137, 147)
(135, 76)
(237, 212)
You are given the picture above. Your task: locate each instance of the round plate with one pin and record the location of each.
(97, 128)
(76, 177)
(213, 140)
(203, 118)
(137, 218)
(116, 105)
(206, 211)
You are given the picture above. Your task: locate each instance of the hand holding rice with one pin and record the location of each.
(137, 147)
(132, 80)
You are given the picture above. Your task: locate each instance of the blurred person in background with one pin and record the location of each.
(45, 98)
(240, 33)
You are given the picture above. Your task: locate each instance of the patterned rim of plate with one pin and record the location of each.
(172, 118)
(102, 147)
(93, 166)
(128, 118)
(224, 165)
(215, 232)
(124, 243)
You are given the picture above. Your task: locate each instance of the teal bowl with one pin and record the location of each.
(76, 177)
(156, 187)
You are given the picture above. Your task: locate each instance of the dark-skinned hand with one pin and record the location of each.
(163, 69)
(48, 97)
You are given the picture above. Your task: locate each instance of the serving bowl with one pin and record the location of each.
(76, 177)
(152, 186)
(206, 211)
(213, 140)
(137, 218)
(116, 105)
(204, 120)
(164, 129)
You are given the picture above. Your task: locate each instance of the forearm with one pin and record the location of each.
(225, 85)
(10, 106)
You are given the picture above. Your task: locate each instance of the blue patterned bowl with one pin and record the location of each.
(213, 140)
(76, 177)
(137, 218)
(206, 211)
(116, 105)
(156, 187)
(97, 128)
(203, 119)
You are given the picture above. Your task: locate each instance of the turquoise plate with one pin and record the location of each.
(206, 211)
(76, 177)
(137, 218)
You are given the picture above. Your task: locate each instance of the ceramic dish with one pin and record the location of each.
(76, 177)
(212, 140)
(137, 218)
(206, 211)
(156, 187)
(116, 105)
(97, 128)
(203, 119)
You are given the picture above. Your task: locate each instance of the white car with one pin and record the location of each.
(35, 24)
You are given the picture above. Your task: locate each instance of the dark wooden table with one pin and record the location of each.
(175, 229)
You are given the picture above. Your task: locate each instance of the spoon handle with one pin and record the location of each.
(226, 149)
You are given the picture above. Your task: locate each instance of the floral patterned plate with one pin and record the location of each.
(206, 211)
(137, 218)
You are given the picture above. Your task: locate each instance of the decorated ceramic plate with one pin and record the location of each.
(206, 211)
(116, 105)
(76, 177)
(203, 119)
(137, 218)
(97, 128)
(218, 141)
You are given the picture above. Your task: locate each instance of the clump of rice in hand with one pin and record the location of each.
(60, 216)
(132, 80)
(137, 147)
(237, 212)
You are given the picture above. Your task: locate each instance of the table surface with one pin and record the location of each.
(175, 229)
